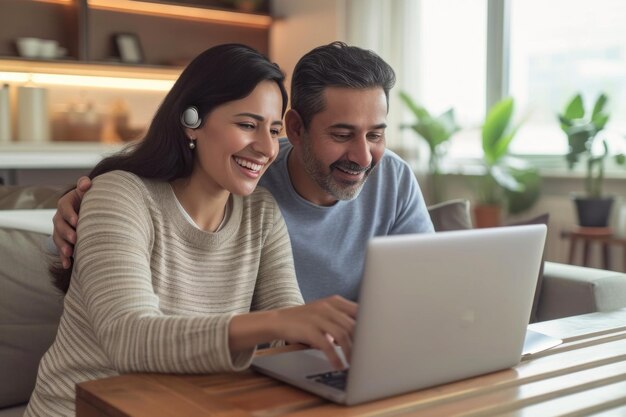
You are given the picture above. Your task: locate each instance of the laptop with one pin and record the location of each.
(433, 308)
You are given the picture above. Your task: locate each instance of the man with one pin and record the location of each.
(335, 183)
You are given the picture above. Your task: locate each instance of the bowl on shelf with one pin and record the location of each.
(48, 49)
(28, 47)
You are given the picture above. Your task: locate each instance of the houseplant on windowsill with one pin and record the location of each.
(584, 132)
(509, 184)
(436, 132)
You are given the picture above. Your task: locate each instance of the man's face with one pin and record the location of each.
(342, 145)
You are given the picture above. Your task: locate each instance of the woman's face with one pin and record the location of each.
(238, 141)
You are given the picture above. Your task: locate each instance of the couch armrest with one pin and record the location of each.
(569, 290)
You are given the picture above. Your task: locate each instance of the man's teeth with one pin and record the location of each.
(347, 171)
(247, 164)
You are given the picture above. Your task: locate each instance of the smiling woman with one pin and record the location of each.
(181, 265)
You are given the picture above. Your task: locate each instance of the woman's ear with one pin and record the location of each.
(190, 133)
(294, 126)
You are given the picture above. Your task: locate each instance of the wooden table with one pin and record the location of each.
(585, 375)
(588, 235)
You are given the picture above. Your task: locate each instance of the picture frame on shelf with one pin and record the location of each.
(128, 48)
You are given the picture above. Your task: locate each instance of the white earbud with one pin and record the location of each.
(190, 117)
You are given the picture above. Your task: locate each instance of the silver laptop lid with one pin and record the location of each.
(442, 307)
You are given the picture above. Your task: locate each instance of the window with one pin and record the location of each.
(558, 48)
(452, 65)
(555, 49)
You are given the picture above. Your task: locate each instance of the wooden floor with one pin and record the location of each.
(584, 376)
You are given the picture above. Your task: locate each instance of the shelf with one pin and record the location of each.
(67, 67)
(54, 155)
(230, 17)
(76, 73)
(86, 28)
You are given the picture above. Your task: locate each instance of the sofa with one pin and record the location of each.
(30, 307)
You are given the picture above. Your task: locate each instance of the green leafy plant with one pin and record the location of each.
(436, 131)
(583, 129)
(509, 182)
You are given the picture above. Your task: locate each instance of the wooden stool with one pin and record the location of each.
(588, 235)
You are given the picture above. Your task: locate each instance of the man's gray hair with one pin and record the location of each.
(336, 65)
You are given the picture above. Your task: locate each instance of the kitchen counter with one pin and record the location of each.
(51, 163)
(54, 155)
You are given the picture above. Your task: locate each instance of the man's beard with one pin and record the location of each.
(341, 190)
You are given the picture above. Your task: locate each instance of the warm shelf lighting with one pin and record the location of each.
(187, 12)
(64, 2)
(88, 81)
(88, 75)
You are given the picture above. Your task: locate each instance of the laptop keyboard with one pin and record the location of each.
(335, 379)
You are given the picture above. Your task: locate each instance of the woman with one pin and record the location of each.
(176, 247)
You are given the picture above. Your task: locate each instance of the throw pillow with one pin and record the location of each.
(30, 309)
(32, 197)
(450, 215)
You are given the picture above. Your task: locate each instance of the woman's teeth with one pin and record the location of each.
(249, 165)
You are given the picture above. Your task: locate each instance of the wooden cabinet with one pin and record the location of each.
(170, 33)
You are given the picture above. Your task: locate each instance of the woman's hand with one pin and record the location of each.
(318, 324)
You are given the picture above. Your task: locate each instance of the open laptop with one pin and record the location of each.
(433, 308)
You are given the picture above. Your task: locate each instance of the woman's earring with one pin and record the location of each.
(192, 143)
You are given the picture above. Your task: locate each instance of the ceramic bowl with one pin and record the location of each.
(28, 47)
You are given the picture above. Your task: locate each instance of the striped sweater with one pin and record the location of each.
(152, 293)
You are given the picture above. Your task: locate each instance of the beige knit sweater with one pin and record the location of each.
(152, 293)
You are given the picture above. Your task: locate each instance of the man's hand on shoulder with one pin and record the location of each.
(66, 219)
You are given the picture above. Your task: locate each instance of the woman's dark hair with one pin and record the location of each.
(218, 75)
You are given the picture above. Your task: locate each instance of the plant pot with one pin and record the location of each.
(487, 216)
(593, 212)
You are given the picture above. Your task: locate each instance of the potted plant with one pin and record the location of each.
(509, 184)
(584, 130)
(436, 132)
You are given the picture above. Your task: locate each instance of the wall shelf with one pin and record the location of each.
(74, 67)
(230, 17)
(86, 27)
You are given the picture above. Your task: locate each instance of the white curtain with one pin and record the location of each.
(388, 27)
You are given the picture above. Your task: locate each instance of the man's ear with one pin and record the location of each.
(294, 126)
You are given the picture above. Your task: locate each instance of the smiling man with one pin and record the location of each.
(335, 183)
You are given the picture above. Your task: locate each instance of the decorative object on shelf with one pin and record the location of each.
(128, 47)
(79, 122)
(48, 49)
(5, 114)
(436, 131)
(583, 132)
(29, 47)
(33, 122)
(120, 117)
(509, 184)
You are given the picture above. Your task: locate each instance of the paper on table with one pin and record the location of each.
(537, 342)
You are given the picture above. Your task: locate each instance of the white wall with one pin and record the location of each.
(301, 26)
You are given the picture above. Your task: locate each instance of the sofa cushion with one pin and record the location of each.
(30, 309)
(571, 290)
(17, 411)
(450, 215)
(32, 197)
